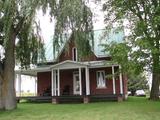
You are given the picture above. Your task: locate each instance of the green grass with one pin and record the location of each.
(132, 109)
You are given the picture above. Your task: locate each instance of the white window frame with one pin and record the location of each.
(101, 82)
(75, 74)
(73, 57)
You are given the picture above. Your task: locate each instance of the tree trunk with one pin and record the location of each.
(155, 87)
(154, 95)
(1, 78)
(8, 90)
(1, 100)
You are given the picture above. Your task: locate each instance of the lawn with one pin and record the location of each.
(132, 109)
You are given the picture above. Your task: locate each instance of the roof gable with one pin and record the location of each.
(68, 64)
(67, 52)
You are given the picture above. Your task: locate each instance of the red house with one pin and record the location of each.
(71, 79)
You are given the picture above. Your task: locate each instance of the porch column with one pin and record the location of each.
(55, 77)
(19, 84)
(35, 86)
(80, 81)
(52, 82)
(87, 81)
(15, 81)
(55, 83)
(113, 78)
(120, 78)
(58, 81)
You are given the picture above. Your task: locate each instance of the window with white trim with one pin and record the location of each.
(101, 81)
(74, 54)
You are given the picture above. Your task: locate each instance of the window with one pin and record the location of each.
(74, 54)
(101, 82)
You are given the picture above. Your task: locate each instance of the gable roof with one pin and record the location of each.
(113, 35)
(104, 37)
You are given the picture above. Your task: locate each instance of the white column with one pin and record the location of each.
(52, 82)
(55, 83)
(58, 81)
(120, 78)
(15, 81)
(35, 78)
(80, 81)
(19, 84)
(113, 78)
(87, 81)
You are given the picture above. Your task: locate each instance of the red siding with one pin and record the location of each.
(43, 81)
(117, 81)
(66, 79)
(67, 54)
(104, 58)
(93, 82)
(117, 84)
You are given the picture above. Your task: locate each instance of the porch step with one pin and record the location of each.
(102, 98)
(70, 99)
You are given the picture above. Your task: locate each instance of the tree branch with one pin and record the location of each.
(1, 40)
(19, 25)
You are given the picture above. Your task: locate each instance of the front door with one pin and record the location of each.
(76, 85)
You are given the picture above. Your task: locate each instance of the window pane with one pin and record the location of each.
(101, 79)
(74, 54)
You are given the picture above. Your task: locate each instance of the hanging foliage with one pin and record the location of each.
(75, 17)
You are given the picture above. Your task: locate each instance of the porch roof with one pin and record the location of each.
(99, 64)
(68, 64)
(33, 71)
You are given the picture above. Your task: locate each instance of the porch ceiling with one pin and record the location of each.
(33, 72)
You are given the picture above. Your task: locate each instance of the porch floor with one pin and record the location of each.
(72, 98)
(35, 98)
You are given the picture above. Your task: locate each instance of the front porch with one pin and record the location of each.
(70, 78)
(76, 82)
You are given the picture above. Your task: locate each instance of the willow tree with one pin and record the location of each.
(21, 40)
(141, 51)
(74, 16)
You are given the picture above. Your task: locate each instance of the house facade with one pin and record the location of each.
(70, 78)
